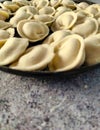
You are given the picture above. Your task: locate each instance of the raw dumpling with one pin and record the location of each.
(92, 47)
(88, 27)
(55, 3)
(4, 14)
(10, 6)
(28, 10)
(12, 50)
(93, 9)
(82, 5)
(56, 37)
(39, 4)
(5, 34)
(25, 12)
(47, 10)
(82, 15)
(60, 10)
(69, 3)
(47, 19)
(33, 30)
(64, 21)
(21, 2)
(4, 25)
(69, 54)
(35, 58)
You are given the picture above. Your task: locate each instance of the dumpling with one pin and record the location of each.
(39, 4)
(69, 54)
(4, 25)
(69, 3)
(82, 15)
(82, 5)
(92, 48)
(55, 3)
(5, 34)
(35, 58)
(4, 14)
(99, 25)
(47, 19)
(87, 27)
(47, 10)
(10, 6)
(93, 9)
(64, 21)
(25, 12)
(12, 50)
(57, 36)
(21, 2)
(28, 10)
(60, 10)
(18, 17)
(33, 30)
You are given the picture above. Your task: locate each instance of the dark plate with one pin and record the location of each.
(47, 73)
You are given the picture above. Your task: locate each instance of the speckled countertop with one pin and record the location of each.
(50, 103)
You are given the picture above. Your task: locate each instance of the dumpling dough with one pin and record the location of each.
(55, 3)
(33, 30)
(39, 4)
(47, 19)
(57, 36)
(4, 25)
(82, 5)
(69, 3)
(12, 50)
(4, 14)
(87, 27)
(5, 34)
(60, 10)
(64, 21)
(35, 58)
(25, 12)
(10, 6)
(69, 54)
(93, 9)
(21, 2)
(47, 10)
(92, 47)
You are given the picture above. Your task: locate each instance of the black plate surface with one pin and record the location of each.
(47, 73)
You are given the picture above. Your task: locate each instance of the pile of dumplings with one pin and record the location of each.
(52, 35)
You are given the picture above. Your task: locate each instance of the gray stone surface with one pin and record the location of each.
(50, 103)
